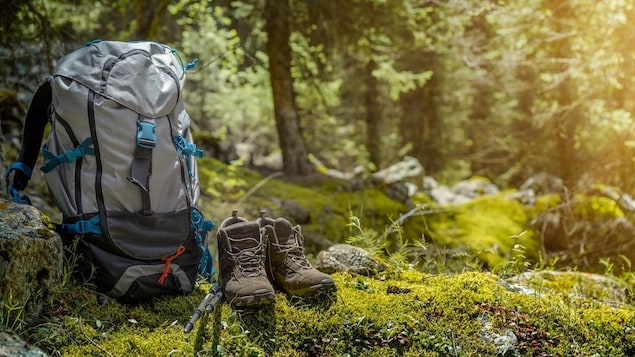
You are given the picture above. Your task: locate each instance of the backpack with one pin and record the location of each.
(121, 166)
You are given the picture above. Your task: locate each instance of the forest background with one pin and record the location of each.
(501, 89)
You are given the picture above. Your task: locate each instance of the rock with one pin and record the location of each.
(31, 256)
(440, 194)
(404, 169)
(462, 192)
(399, 192)
(580, 285)
(475, 187)
(345, 257)
(297, 213)
(623, 200)
(13, 346)
(518, 288)
(506, 344)
(542, 184)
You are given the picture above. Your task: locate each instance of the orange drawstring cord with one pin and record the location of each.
(168, 260)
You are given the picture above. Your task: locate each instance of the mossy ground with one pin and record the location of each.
(403, 312)
(399, 314)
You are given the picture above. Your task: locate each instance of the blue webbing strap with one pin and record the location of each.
(206, 265)
(188, 149)
(13, 192)
(82, 227)
(85, 148)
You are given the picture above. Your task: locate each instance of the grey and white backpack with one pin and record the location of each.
(121, 165)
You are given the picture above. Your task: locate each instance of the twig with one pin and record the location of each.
(93, 341)
(419, 210)
(258, 185)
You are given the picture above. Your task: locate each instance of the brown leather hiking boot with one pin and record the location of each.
(288, 267)
(242, 274)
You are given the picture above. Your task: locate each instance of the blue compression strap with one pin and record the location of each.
(83, 227)
(188, 149)
(191, 65)
(90, 43)
(13, 192)
(21, 167)
(18, 197)
(83, 149)
(206, 265)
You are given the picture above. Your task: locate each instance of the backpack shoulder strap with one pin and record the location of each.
(34, 125)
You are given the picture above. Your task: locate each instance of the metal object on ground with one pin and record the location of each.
(208, 303)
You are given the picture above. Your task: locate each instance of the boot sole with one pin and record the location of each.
(314, 290)
(257, 299)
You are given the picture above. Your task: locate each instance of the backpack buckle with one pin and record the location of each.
(146, 137)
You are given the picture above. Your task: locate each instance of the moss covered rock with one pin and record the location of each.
(31, 261)
(13, 345)
(491, 227)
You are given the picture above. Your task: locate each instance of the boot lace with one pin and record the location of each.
(294, 250)
(248, 260)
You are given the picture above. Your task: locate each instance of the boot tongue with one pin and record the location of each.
(284, 232)
(290, 241)
(243, 236)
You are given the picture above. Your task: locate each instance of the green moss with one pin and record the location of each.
(490, 226)
(595, 207)
(544, 203)
(411, 314)
(578, 285)
(44, 232)
(582, 207)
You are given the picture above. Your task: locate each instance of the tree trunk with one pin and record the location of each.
(567, 124)
(292, 144)
(149, 15)
(626, 98)
(480, 114)
(477, 128)
(411, 123)
(420, 123)
(373, 116)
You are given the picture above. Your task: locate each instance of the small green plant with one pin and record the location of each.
(517, 259)
(608, 266)
(12, 313)
(402, 254)
(392, 244)
(362, 237)
(545, 263)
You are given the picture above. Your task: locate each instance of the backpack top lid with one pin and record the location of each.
(146, 77)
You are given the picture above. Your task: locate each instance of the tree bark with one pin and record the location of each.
(480, 114)
(148, 14)
(421, 124)
(292, 143)
(566, 126)
(373, 116)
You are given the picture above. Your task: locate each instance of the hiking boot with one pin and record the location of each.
(287, 266)
(241, 252)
